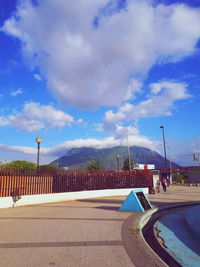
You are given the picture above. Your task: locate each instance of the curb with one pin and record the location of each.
(137, 248)
(146, 217)
(147, 220)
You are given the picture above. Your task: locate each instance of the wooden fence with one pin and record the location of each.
(30, 182)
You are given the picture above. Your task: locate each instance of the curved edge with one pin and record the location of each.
(136, 247)
(157, 211)
(135, 244)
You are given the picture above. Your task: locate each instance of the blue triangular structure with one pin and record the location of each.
(132, 203)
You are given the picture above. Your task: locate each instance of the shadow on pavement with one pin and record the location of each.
(114, 208)
(60, 219)
(168, 204)
(112, 201)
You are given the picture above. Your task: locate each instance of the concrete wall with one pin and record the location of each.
(7, 202)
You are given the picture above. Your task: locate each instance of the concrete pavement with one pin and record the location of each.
(77, 233)
(80, 233)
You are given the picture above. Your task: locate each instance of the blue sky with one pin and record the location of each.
(86, 73)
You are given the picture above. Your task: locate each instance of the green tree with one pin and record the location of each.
(21, 164)
(178, 178)
(94, 166)
(126, 166)
(49, 167)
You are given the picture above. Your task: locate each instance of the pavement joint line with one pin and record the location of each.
(57, 219)
(62, 244)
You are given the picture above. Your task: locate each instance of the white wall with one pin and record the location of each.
(7, 202)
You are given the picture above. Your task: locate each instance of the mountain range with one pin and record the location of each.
(78, 158)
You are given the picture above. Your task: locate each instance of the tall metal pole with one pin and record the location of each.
(117, 157)
(38, 140)
(197, 158)
(38, 156)
(129, 154)
(170, 166)
(162, 127)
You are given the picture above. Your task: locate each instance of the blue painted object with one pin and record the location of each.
(192, 218)
(132, 202)
(179, 242)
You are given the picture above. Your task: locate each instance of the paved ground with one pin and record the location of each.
(176, 194)
(76, 233)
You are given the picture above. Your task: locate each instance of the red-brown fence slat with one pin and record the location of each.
(29, 182)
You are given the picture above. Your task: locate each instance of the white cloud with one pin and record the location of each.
(37, 77)
(109, 142)
(3, 121)
(49, 154)
(160, 102)
(35, 117)
(180, 152)
(23, 149)
(17, 92)
(89, 67)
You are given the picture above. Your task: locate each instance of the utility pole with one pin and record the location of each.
(129, 155)
(162, 127)
(117, 157)
(196, 157)
(170, 166)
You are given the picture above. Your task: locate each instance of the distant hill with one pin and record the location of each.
(78, 158)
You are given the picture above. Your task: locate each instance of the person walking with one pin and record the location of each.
(164, 184)
(158, 186)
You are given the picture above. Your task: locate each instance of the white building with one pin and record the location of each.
(144, 166)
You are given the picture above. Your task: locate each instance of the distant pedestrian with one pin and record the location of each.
(158, 186)
(164, 184)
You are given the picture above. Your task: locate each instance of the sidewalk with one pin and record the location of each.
(73, 233)
(80, 233)
(176, 194)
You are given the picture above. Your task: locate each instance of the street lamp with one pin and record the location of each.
(162, 127)
(38, 140)
(117, 157)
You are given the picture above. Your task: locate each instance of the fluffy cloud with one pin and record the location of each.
(37, 77)
(91, 64)
(20, 149)
(180, 152)
(34, 117)
(17, 92)
(49, 154)
(160, 102)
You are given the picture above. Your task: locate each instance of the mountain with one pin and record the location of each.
(78, 158)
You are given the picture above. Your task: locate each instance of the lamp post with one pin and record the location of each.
(117, 157)
(162, 127)
(38, 140)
